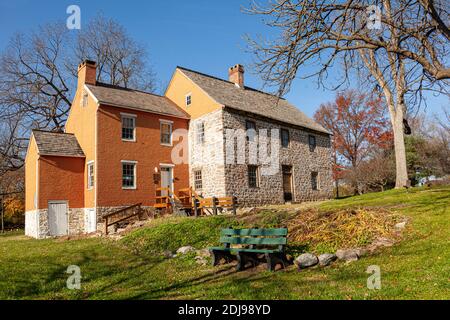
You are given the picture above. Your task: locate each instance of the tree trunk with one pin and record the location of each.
(401, 179)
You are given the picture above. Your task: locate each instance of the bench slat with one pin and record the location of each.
(254, 232)
(244, 250)
(256, 241)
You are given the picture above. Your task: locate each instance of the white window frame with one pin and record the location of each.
(195, 179)
(170, 123)
(257, 177)
(189, 95)
(84, 98)
(128, 116)
(199, 140)
(90, 164)
(122, 162)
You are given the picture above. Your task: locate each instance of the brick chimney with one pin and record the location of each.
(87, 73)
(236, 75)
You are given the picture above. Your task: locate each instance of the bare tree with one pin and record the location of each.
(401, 59)
(120, 60)
(38, 77)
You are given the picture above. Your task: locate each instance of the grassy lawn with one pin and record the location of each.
(133, 268)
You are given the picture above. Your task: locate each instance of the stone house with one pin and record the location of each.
(204, 132)
(219, 107)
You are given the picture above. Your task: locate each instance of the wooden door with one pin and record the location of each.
(57, 218)
(287, 183)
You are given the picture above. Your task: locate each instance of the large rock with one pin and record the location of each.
(347, 255)
(306, 260)
(400, 225)
(185, 249)
(326, 258)
(168, 254)
(202, 253)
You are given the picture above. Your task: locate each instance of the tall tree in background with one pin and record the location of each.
(359, 128)
(400, 53)
(38, 77)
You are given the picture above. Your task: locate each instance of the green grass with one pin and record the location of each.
(133, 268)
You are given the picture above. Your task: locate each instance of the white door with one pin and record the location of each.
(90, 221)
(166, 179)
(57, 218)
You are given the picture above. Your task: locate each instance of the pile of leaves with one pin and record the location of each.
(326, 231)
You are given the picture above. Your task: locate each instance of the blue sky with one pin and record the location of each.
(204, 35)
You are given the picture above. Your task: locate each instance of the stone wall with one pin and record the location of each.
(76, 221)
(36, 223)
(208, 156)
(297, 155)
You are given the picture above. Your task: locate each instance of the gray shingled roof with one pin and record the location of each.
(251, 100)
(133, 99)
(57, 144)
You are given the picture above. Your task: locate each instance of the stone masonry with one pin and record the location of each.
(220, 178)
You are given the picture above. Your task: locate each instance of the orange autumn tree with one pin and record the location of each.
(359, 126)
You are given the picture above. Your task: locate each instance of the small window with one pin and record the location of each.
(315, 180)
(284, 138)
(129, 175)
(166, 133)
(312, 143)
(188, 100)
(198, 184)
(253, 176)
(250, 126)
(90, 173)
(200, 133)
(128, 128)
(84, 99)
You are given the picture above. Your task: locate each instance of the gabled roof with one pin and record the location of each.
(251, 100)
(57, 144)
(133, 99)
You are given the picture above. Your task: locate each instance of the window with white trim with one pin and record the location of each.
(90, 175)
(128, 128)
(200, 132)
(198, 183)
(166, 133)
(253, 176)
(188, 99)
(84, 99)
(128, 175)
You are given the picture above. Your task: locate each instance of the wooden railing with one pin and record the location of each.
(188, 199)
(135, 210)
(214, 204)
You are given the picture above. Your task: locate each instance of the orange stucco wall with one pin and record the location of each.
(82, 122)
(146, 150)
(180, 86)
(61, 178)
(31, 166)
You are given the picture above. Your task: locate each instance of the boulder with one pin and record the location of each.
(202, 253)
(347, 255)
(306, 260)
(326, 259)
(400, 225)
(168, 254)
(185, 249)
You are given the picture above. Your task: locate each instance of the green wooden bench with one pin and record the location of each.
(253, 243)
